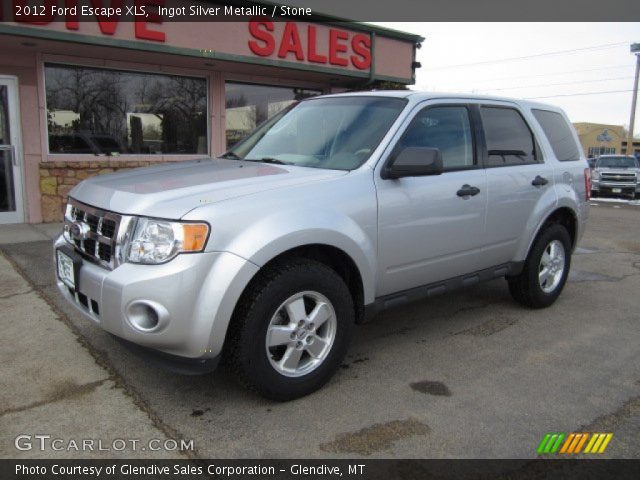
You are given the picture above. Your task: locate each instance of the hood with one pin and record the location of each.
(618, 169)
(171, 190)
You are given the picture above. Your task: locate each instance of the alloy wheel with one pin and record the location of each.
(301, 333)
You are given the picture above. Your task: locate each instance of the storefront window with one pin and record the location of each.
(248, 105)
(113, 112)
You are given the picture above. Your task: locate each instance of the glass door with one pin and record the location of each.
(11, 204)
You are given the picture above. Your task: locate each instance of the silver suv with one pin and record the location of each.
(616, 175)
(333, 210)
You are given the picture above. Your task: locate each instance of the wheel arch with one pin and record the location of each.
(332, 256)
(565, 216)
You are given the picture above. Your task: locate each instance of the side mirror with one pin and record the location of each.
(414, 162)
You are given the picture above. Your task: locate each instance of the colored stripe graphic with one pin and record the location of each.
(573, 443)
(543, 443)
(593, 439)
(581, 442)
(605, 443)
(554, 449)
(550, 443)
(599, 443)
(567, 443)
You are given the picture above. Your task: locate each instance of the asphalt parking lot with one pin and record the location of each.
(469, 374)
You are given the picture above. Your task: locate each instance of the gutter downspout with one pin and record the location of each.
(372, 67)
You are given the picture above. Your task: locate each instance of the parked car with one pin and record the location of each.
(617, 175)
(85, 142)
(592, 162)
(335, 209)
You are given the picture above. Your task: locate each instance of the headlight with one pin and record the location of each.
(595, 176)
(158, 241)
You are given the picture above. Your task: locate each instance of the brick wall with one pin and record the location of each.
(58, 178)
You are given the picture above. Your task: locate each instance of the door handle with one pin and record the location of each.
(468, 191)
(539, 181)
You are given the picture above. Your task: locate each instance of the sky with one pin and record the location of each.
(586, 58)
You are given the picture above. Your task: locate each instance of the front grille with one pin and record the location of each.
(98, 240)
(85, 302)
(629, 178)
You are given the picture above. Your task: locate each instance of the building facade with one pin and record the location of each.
(84, 98)
(602, 139)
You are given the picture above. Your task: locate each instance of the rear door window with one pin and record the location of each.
(559, 133)
(509, 139)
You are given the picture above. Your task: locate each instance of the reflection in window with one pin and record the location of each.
(445, 128)
(338, 133)
(559, 134)
(248, 105)
(112, 112)
(509, 140)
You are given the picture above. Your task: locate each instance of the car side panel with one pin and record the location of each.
(568, 187)
(340, 213)
(514, 208)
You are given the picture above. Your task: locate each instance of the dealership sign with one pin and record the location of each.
(288, 45)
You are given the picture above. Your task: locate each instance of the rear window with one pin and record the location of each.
(509, 140)
(559, 134)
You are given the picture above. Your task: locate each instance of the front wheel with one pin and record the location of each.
(545, 270)
(292, 329)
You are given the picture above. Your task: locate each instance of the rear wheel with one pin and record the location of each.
(292, 329)
(545, 270)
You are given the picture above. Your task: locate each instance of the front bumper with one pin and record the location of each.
(195, 295)
(608, 187)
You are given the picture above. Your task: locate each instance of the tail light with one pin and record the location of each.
(587, 184)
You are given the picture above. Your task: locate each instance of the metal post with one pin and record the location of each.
(633, 105)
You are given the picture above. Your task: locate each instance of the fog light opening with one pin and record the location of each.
(146, 316)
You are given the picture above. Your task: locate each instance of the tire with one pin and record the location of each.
(527, 287)
(291, 288)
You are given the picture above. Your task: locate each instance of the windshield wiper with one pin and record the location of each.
(269, 160)
(502, 153)
(231, 155)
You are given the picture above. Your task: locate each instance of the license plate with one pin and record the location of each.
(66, 271)
(616, 190)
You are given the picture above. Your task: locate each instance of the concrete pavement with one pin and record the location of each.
(51, 384)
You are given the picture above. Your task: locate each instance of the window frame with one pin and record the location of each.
(538, 155)
(124, 156)
(475, 143)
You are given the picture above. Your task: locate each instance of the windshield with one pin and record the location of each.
(338, 133)
(617, 162)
